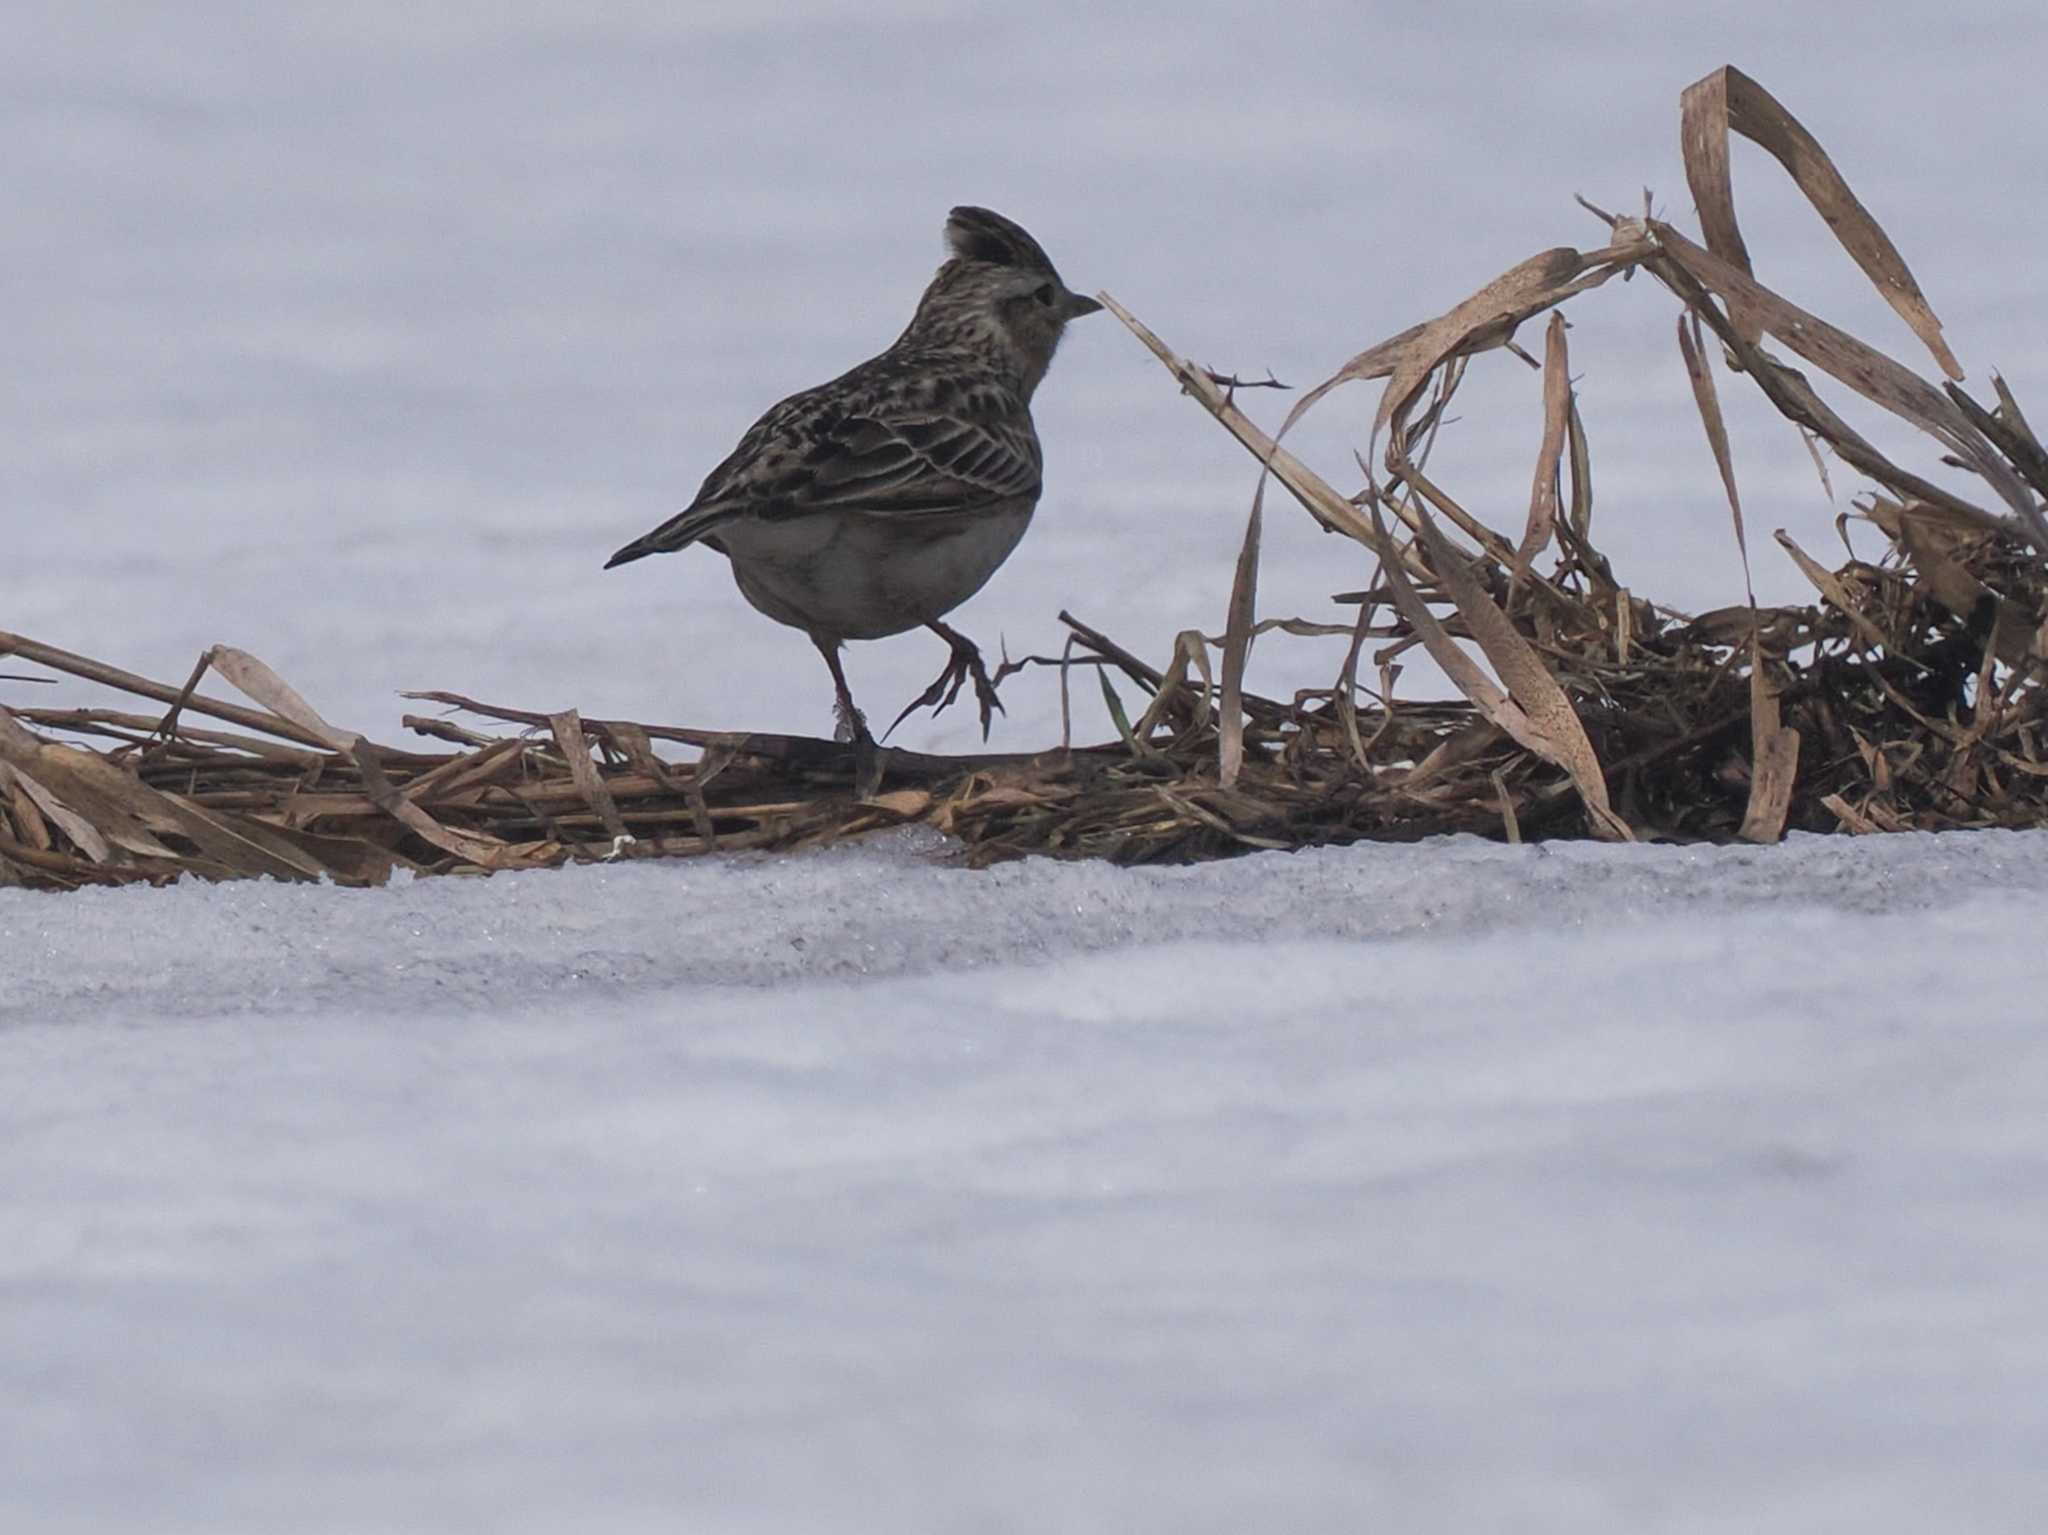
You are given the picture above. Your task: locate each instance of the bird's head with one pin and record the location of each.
(999, 291)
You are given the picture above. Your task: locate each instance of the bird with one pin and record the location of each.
(878, 502)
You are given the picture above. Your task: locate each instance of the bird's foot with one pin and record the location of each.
(964, 665)
(849, 725)
(984, 690)
(868, 755)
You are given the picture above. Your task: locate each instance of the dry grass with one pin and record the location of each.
(1907, 696)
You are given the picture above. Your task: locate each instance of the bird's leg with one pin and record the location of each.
(965, 663)
(852, 725)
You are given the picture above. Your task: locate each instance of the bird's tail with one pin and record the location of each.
(679, 532)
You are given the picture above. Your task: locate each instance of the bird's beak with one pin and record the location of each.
(1078, 306)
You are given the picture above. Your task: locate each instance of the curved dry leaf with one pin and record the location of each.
(1486, 319)
(1703, 145)
(1709, 403)
(1774, 756)
(127, 813)
(1557, 399)
(114, 677)
(1550, 725)
(1728, 99)
(1486, 695)
(568, 732)
(1830, 586)
(1237, 647)
(1863, 368)
(259, 682)
(83, 834)
(483, 851)
(1483, 321)
(1581, 458)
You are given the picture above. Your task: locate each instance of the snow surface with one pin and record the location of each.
(1450, 1187)
(1443, 1187)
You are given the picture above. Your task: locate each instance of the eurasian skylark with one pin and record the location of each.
(881, 501)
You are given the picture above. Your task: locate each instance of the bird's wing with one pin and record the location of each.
(907, 465)
(821, 452)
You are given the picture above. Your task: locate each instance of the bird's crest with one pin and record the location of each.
(975, 234)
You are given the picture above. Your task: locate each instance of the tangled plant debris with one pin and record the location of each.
(1907, 696)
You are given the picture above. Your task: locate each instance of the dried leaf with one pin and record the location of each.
(1511, 824)
(1557, 401)
(1830, 586)
(484, 852)
(130, 815)
(1774, 757)
(1486, 319)
(906, 804)
(1863, 368)
(76, 665)
(1554, 731)
(257, 680)
(568, 731)
(1709, 404)
(28, 819)
(1237, 645)
(1581, 518)
(1727, 99)
(1852, 820)
(38, 805)
(1190, 652)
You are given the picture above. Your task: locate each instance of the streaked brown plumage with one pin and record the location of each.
(881, 501)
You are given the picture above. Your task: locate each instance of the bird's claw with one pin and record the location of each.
(963, 665)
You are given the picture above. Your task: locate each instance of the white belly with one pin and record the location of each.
(843, 576)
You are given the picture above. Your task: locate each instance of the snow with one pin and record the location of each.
(1442, 1187)
(902, 905)
(1437, 1187)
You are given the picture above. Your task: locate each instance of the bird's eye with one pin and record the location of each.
(1044, 294)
